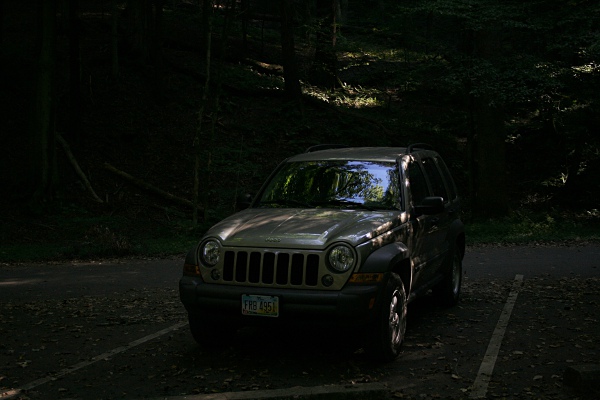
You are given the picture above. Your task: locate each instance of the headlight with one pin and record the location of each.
(210, 252)
(341, 258)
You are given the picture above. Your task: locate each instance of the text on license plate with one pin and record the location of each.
(264, 306)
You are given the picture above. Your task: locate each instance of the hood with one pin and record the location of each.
(302, 228)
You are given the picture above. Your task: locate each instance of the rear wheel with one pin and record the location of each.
(448, 291)
(385, 337)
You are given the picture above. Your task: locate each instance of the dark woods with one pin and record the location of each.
(199, 99)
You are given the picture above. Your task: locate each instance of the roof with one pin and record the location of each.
(386, 154)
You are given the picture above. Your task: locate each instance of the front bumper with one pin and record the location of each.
(352, 306)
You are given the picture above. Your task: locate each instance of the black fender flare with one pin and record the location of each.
(385, 258)
(394, 257)
(191, 256)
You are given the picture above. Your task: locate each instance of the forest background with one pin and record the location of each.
(129, 127)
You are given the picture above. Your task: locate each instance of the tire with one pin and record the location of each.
(448, 291)
(209, 334)
(386, 335)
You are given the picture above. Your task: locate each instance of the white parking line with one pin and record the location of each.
(14, 392)
(480, 386)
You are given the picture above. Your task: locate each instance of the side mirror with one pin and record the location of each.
(243, 201)
(430, 206)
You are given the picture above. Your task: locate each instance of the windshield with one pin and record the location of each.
(338, 184)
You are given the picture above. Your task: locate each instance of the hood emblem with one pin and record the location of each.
(273, 240)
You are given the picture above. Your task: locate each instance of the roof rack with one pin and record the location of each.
(325, 147)
(410, 148)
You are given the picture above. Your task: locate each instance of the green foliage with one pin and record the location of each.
(109, 246)
(409, 71)
(247, 78)
(72, 232)
(527, 227)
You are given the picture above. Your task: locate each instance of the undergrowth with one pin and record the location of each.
(532, 228)
(111, 239)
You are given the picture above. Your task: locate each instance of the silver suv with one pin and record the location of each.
(347, 236)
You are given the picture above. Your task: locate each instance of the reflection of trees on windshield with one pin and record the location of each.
(318, 182)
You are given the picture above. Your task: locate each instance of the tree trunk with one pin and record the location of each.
(492, 194)
(42, 175)
(324, 70)
(77, 168)
(206, 16)
(114, 39)
(198, 145)
(74, 73)
(491, 199)
(1, 21)
(156, 33)
(288, 49)
(245, 11)
(138, 14)
(342, 11)
(146, 186)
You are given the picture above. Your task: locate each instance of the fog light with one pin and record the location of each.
(327, 280)
(215, 274)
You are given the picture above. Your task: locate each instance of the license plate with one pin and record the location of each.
(263, 306)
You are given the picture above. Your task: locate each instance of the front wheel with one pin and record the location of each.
(209, 334)
(387, 333)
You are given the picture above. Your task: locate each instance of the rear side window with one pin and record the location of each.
(435, 178)
(417, 183)
(447, 178)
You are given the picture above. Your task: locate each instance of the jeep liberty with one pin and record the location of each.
(347, 236)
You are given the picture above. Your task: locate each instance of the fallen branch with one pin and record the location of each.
(77, 169)
(149, 187)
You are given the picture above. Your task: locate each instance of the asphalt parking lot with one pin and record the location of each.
(516, 333)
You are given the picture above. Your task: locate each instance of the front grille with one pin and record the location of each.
(271, 268)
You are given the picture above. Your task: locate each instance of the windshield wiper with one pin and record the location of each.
(285, 202)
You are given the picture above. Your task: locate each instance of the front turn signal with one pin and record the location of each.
(191, 270)
(366, 278)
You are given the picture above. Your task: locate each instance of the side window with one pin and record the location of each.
(435, 178)
(417, 183)
(447, 178)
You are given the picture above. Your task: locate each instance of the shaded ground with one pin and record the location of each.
(440, 358)
(554, 325)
